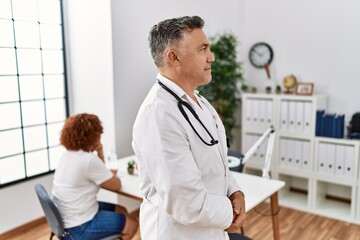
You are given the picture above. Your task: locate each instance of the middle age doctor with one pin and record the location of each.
(180, 143)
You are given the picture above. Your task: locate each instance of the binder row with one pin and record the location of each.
(295, 116)
(259, 156)
(259, 112)
(336, 159)
(294, 154)
(329, 125)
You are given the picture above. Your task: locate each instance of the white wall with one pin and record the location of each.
(317, 41)
(134, 71)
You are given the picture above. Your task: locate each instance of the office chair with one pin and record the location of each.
(237, 236)
(53, 217)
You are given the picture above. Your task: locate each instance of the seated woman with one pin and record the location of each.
(78, 178)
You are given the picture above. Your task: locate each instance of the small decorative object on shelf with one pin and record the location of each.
(289, 83)
(268, 89)
(131, 166)
(253, 90)
(278, 89)
(244, 87)
(304, 89)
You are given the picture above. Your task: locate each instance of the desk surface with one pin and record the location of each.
(256, 189)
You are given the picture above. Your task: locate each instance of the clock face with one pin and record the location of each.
(260, 54)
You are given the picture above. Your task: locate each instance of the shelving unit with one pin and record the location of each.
(321, 174)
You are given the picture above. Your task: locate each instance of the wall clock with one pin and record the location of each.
(261, 54)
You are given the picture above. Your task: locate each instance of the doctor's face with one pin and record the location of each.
(195, 58)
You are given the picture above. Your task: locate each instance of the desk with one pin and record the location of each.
(256, 190)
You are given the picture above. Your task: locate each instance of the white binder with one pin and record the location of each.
(340, 160)
(284, 115)
(283, 152)
(330, 159)
(290, 153)
(299, 116)
(297, 154)
(269, 113)
(349, 161)
(255, 112)
(321, 158)
(305, 155)
(262, 114)
(248, 112)
(292, 116)
(307, 117)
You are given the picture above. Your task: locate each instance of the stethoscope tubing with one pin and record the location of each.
(182, 103)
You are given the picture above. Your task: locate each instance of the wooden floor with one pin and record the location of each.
(294, 225)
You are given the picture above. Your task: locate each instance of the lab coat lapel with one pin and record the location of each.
(220, 130)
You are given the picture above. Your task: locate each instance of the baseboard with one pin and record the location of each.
(22, 228)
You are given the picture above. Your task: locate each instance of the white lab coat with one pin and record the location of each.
(185, 183)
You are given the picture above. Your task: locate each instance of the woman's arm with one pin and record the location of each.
(112, 184)
(100, 151)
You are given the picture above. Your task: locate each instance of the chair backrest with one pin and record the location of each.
(52, 213)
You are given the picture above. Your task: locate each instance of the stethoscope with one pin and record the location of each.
(182, 103)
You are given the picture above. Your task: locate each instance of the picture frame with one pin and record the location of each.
(303, 88)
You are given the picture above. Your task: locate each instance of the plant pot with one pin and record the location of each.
(278, 90)
(130, 170)
(268, 90)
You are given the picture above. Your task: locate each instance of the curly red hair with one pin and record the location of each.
(81, 132)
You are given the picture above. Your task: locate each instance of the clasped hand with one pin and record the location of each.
(238, 202)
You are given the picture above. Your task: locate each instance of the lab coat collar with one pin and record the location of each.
(170, 84)
(178, 90)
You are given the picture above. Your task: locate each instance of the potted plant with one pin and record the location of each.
(278, 89)
(244, 87)
(268, 89)
(223, 91)
(131, 166)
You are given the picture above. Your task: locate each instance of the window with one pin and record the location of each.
(33, 98)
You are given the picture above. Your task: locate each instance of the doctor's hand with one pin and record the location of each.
(238, 202)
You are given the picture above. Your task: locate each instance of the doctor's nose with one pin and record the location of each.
(211, 57)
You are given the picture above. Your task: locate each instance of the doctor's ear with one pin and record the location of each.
(172, 57)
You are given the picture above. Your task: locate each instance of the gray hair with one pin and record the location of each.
(168, 32)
